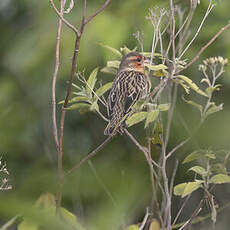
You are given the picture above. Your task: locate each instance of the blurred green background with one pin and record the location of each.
(115, 187)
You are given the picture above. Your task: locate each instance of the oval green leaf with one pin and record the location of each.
(220, 179)
(136, 118)
(151, 116)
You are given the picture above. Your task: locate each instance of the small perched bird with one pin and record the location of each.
(130, 84)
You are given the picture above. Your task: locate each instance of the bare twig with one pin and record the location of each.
(181, 209)
(206, 46)
(69, 87)
(60, 170)
(195, 213)
(145, 219)
(97, 12)
(57, 62)
(210, 6)
(89, 156)
(177, 147)
(173, 177)
(72, 27)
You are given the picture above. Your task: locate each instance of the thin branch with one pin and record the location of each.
(97, 12)
(68, 91)
(143, 149)
(177, 147)
(60, 170)
(206, 46)
(145, 219)
(195, 213)
(89, 156)
(201, 218)
(173, 177)
(210, 6)
(181, 209)
(56, 68)
(72, 27)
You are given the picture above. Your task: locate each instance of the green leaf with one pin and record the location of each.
(191, 187)
(163, 107)
(113, 50)
(151, 116)
(125, 50)
(103, 89)
(76, 99)
(213, 109)
(109, 70)
(220, 179)
(210, 155)
(113, 64)
(136, 118)
(191, 84)
(160, 73)
(76, 86)
(94, 106)
(82, 107)
(79, 98)
(192, 157)
(132, 227)
(199, 170)
(179, 189)
(91, 81)
(218, 169)
(149, 54)
(196, 105)
(156, 67)
(9, 223)
(185, 189)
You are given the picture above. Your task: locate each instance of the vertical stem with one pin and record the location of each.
(56, 68)
(62, 121)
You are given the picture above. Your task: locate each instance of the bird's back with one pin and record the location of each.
(128, 87)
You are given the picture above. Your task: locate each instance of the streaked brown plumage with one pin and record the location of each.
(130, 84)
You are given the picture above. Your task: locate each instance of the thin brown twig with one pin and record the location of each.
(56, 68)
(173, 177)
(177, 147)
(60, 170)
(89, 156)
(181, 209)
(72, 27)
(69, 87)
(206, 46)
(210, 6)
(97, 12)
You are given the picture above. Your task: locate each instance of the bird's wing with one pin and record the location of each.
(126, 90)
(135, 86)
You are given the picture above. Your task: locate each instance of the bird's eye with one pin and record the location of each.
(138, 59)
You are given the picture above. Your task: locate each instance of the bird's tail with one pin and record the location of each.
(113, 127)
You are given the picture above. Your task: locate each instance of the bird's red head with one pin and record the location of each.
(133, 61)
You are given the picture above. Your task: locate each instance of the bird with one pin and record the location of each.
(130, 84)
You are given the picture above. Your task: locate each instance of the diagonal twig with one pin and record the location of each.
(89, 156)
(97, 12)
(72, 27)
(206, 46)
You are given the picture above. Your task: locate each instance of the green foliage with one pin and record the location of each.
(185, 189)
(88, 95)
(208, 171)
(187, 83)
